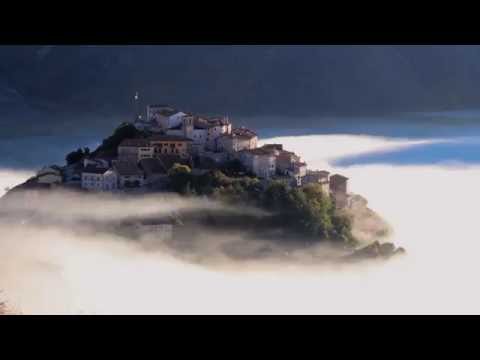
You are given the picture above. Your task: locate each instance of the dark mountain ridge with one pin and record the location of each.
(290, 81)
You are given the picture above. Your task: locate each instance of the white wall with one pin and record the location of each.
(263, 165)
(176, 119)
(49, 179)
(92, 181)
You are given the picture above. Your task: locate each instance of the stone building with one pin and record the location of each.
(129, 174)
(321, 177)
(239, 139)
(98, 179)
(171, 145)
(160, 115)
(135, 150)
(260, 161)
(339, 190)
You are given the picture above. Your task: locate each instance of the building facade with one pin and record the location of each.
(259, 161)
(159, 115)
(339, 190)
(239, 139)
(97, 179)
(135, 150)
(171, 145)
(129, 174)
(216, 127)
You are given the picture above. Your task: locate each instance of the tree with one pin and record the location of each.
(180, 178)
(179, 169)
(74, 157)
(233, 168)
(276, 196)
(124, 131)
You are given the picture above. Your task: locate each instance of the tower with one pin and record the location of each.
(188, 126)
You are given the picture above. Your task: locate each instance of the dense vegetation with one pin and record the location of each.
(306, 210)
(76, 156)
(110, 145)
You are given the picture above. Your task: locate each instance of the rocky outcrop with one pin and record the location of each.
(367, 225)
(376, 250)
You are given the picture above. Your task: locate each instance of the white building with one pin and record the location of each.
(204, 132)
(290, 164)
(176, 119)
(160, 115)
(259, 161)
(216, 127)
(239, 139)
(98, 179)
(191, 127)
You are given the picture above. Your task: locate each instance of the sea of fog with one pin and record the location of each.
(425, 187)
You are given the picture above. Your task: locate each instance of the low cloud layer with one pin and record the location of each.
(432, 210)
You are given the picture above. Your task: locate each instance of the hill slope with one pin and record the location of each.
(241, 80)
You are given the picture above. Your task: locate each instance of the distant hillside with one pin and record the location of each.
(238, 80)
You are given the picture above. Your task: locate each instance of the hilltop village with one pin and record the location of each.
(174, 151)
(202, 143)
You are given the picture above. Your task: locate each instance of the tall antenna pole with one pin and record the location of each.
(136, 116)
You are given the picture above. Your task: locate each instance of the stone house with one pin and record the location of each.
(129, 174)
(99, 179)
(239, 139)
(321, 177)
(171, 145)
(339, 190)
(193, 128)
(135, 150)
(216, 127)
(289, 164)
(160, 115)
(286, 161)
(260, 161)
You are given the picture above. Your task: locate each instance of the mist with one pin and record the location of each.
(431, 208)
